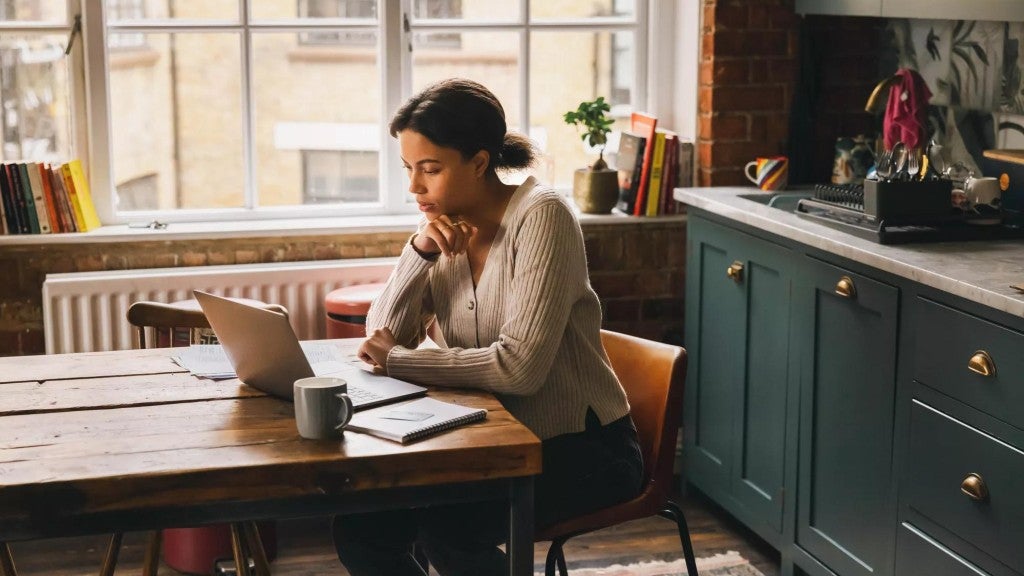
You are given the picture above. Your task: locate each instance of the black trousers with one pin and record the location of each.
(582, 472)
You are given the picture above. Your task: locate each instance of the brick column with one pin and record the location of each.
(748, 72)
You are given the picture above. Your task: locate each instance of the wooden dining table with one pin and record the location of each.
(128, 440)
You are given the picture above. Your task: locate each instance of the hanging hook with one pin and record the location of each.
(76, 30)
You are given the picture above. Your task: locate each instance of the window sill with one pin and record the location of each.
(277, 228)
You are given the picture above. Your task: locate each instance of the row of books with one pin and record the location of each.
(651, 162)
(39, 198)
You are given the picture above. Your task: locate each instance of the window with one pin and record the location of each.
(35, 87)
(275, 108)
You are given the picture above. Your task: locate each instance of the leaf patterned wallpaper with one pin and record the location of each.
(974, 70)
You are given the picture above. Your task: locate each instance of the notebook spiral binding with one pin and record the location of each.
(442, 426)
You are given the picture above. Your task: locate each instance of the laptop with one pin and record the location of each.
(267, 355)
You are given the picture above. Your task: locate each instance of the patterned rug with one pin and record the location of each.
(727, 564)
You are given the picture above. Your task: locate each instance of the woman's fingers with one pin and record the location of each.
(451, 236)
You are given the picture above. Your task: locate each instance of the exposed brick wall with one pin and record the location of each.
(750, 72)
(636, 267)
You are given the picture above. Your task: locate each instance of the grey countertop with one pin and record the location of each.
(980, 271)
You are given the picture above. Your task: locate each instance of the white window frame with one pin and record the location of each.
(663, 87)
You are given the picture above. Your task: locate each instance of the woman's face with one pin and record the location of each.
(442, 181)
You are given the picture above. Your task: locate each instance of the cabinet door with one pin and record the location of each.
(845, 516)
(738, 326)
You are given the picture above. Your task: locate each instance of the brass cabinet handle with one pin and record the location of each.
(845, 287)
(982, 363)
(974, 487)
(735, 271)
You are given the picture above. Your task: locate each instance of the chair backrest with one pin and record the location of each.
(653, 375)
(166, 318)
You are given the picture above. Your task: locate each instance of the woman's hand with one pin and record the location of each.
(446, 234)
(375, 349)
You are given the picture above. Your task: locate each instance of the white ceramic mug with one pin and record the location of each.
(322, 407)
(983, 191)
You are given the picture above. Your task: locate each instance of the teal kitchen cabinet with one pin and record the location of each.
(738, 333)
(846, 325)
(886, 384)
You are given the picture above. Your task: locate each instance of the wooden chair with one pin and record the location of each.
(653, 375)
(245, 539)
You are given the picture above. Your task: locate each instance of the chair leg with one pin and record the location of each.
(673, 512)
(7, 561)
(110, 559)
(238, 550)
(420, 555)
(151, 561)
(259, 555)
(556, 557)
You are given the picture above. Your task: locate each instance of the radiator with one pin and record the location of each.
(85, 311)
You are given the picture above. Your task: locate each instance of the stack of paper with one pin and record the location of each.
(206, 361)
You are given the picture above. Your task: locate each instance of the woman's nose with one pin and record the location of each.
(415, 187)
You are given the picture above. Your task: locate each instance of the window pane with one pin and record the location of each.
(469, 10)
(289, 9)
(122, 10)
(490, 58)
(318, 126)
(176, 115)
(591, 64)
(34, 10)
(547, 10)
(35, 120)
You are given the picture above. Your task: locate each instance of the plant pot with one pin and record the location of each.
(595, 191)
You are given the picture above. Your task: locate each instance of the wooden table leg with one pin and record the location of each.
(151, 561)
(259, 555)
(7, 561)
(520, 530)
(113, 550)
(238, 549)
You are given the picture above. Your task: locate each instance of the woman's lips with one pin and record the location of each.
(427, 207)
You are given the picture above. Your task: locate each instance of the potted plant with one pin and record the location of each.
(595, 188)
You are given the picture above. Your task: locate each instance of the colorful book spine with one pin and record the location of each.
(657, 172)
(51, 201)
(10, 219)
(38, 197)
(29, 203)
(89, 216)
(628, 162)
(644, 124)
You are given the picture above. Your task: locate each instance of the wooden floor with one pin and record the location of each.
(304, 546)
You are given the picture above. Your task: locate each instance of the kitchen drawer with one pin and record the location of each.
(917, 554)
(945, 342)
(943, 454)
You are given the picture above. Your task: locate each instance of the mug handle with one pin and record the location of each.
(348, 411)
(746, 171)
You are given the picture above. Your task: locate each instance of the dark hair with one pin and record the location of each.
(466, 116)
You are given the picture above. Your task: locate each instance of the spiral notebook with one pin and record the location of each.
(413, 420)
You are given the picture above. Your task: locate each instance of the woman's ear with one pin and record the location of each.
(481, 160)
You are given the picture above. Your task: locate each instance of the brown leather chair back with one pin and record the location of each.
(653, 376)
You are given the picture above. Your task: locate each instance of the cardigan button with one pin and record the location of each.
(471, 305)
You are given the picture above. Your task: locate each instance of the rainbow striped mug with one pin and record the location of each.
(769, 173)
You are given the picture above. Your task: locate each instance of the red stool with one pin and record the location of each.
(196, 550)
(347, 308)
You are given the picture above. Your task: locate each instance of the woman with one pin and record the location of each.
(501, 271)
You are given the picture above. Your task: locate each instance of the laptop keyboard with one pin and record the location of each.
(361, 395)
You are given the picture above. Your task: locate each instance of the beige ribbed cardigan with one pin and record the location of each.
(529, 333)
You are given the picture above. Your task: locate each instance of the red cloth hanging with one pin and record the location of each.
(906, 111)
